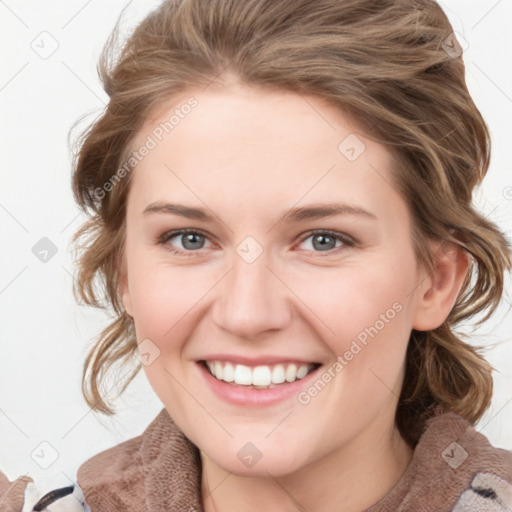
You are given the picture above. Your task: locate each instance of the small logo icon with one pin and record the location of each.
(455, 45)
(249, 455)
(147, 352)
(44, 250)
(45, 45)
(44, 455)
(249, 249)
(352, 147)
(454, 455)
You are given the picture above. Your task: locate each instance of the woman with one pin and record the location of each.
(280, 218)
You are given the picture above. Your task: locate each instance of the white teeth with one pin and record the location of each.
(218, 370)
(278, 375)
(243, 375)
(291, 372)
(229, 373)
(302, 371)
(261, 376)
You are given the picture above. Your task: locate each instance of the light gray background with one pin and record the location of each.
(43, 334)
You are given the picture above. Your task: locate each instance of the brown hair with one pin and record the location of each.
(395, 67)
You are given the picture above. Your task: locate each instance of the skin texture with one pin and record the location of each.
(248, 155)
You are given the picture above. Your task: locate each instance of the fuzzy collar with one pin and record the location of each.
(159, 471)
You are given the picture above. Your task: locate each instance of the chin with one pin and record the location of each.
(264, 469)
(249, 460)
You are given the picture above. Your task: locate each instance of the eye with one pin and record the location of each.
(329, 242)
(191, 240)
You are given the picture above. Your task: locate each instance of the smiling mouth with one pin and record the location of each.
(259, 377)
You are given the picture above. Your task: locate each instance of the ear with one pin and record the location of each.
(439, 289)
(124, 289)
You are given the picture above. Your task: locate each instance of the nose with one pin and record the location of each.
(252, 300)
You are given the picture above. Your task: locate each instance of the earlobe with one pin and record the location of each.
(127, 301)
(440, 289)
(125, 291)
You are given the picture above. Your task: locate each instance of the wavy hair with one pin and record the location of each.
(392, 65)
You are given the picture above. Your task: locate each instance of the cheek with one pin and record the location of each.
(349, 301)
(167, 301)
(165, 305)
(365, 314)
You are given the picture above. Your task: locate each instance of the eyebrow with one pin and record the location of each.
(297, 214)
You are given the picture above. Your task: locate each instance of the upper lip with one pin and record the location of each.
(257, 361)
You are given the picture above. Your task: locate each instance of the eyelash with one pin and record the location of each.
(345, 239)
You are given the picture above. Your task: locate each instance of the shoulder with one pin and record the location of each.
(485, 470)
(459, 449)
(129, 461)
(145, 471)
(454, 467)
(114, 477)
(481, 472)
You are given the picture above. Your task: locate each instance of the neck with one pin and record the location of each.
(342, 478)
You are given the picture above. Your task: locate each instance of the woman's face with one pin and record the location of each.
(267, 282)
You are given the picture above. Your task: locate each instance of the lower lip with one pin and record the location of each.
(239, 395)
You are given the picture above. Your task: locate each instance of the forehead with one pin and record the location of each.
(251, 145)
